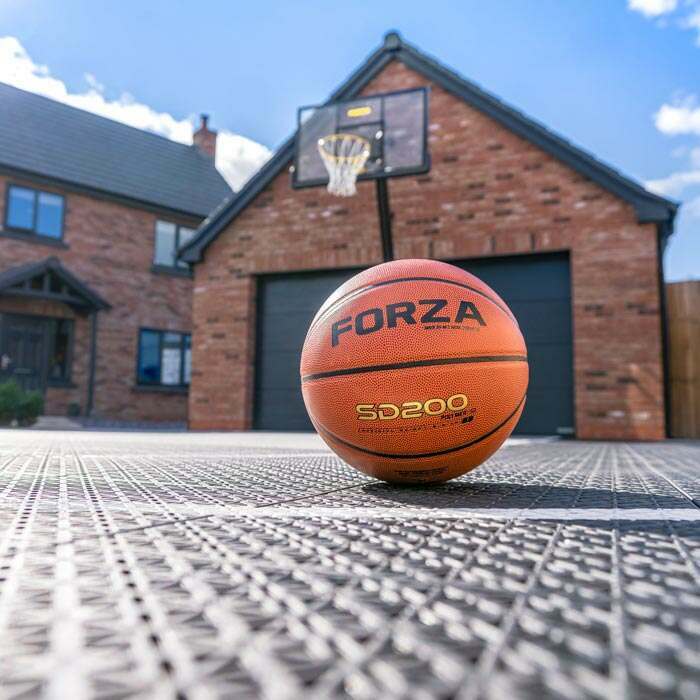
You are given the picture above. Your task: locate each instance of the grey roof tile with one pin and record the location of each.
(41, 136)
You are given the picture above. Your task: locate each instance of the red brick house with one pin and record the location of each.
(574, 247)
(95, 308)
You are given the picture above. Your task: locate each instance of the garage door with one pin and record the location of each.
(286, 306)
(537, 288)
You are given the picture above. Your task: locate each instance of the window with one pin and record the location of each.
(34, 211)
(60, 335)
(169, 238)
(165, 358)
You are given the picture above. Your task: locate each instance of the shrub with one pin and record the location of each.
(10, 395)
(17, 404)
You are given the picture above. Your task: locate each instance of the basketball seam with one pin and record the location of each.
(361, 290)
(414, 363)
(424, 455)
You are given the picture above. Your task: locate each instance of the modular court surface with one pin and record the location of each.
(258, 565)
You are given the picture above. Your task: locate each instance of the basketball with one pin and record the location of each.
(414, 371)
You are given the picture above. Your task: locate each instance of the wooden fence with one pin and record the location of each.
(683, 310)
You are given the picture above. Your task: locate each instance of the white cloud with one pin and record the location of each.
(687, 17)
(675, 183)
(679, 118)
(237, 157)
(94, 83)
(693, 22)
(682, 117)
(652, 8)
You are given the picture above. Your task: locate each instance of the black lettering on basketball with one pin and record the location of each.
(372, 320)
(339, 327)
(430, 315)
(402, 309)
(378, 322)
(468, 310)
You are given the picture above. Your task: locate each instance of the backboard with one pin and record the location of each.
(394, 123)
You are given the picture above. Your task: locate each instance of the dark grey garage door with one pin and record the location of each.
(286, 307)
(537, 288)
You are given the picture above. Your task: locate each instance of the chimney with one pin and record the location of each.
(204, 138)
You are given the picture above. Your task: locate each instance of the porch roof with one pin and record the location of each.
(51, 280)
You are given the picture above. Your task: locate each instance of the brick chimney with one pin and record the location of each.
(204, 138)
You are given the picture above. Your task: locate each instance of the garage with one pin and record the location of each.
(536, 287)
(286, 304)
(498, 182)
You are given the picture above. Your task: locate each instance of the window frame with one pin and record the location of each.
(175, 268)
(35, 213)
(181, 386)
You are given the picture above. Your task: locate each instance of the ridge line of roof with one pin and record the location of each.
(395, 48)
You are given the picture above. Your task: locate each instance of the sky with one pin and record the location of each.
(619, 78)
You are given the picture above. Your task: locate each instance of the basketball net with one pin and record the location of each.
(344, 156)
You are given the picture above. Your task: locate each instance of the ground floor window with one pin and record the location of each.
(60, 341)
(165, 358)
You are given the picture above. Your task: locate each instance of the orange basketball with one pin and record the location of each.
(414, 371)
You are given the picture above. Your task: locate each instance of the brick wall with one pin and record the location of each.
(489, 193)
(109, 246)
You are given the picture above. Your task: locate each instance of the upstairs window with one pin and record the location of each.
(165, 358)
(169, 238)
(33, 211)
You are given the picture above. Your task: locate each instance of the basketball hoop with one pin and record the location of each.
(344, 156)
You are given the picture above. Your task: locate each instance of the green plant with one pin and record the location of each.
(17, 404)
(10, 395)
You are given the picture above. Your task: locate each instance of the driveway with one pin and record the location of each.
(204, 565)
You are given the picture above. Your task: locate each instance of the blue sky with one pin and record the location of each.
(620, 78)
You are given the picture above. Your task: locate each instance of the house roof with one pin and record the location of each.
(649, 207)
(55, 282)
(40, 136)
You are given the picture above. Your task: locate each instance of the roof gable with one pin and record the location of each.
(49, 279)
(40, 136)
(648, 206)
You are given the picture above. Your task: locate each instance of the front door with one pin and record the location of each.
(23, 351)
